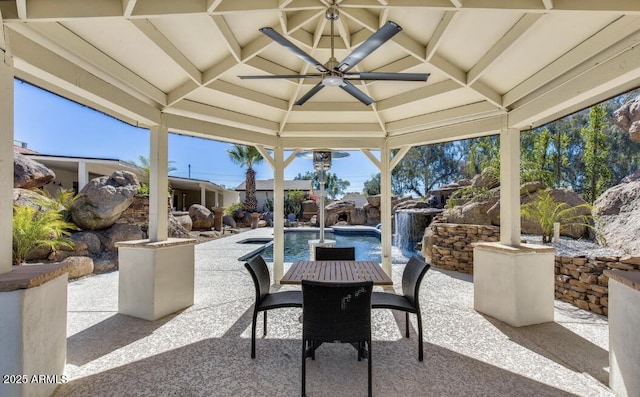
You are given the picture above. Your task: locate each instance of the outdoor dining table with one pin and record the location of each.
(336, 271)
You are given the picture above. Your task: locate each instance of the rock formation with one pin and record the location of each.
(29, 174)
(628, 118)
(618, 210)
(103, 200)
(201, 217)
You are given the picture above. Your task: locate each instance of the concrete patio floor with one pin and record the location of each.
(204, 350)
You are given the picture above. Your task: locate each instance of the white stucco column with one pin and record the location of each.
(278, 212)
(203, 196)
(6, 164)
(385, 207)
(510, 187)
(158, 183)
(83, 174)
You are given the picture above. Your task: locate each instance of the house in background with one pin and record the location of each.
(75, 172)
(264, 190)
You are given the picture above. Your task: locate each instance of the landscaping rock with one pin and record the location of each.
(176, 229)
(618, 209)
(120, 232)
(201, 217)
(103, 200)
(89, 239)
(79, 266)
(185, 221)
(106, 261)
(229, 221)
(627, 117)
(29, 174)
(33, 199)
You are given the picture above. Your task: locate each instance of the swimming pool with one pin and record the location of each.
(296, 245)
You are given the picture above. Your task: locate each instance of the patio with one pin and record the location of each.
(204, 350)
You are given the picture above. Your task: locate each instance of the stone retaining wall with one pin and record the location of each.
(578, 280)
(451, 244)
(581, 282)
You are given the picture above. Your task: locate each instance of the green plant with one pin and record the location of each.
(233, 208)
(467, 194)
(546, 210)
(63, 199)
(32, 229)
(293, 202)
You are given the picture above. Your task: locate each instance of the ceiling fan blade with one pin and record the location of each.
(282, 76)
(310, 93)
(278, 38)
(387, 31)
(387, 76)
(359, 95)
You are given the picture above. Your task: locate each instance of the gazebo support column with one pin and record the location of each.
(156, 276)
(278, 213)
(513, 282)
(6, 165)
(385, 207)
(33, 299)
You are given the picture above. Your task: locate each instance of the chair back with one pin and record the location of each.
(335, 253)
(259, 271)
(336, 312)
(412, 276)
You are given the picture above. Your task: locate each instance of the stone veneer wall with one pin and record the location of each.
(578, 280)
(581, 282)
(451, 244)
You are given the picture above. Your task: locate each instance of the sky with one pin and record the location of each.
(53, 125)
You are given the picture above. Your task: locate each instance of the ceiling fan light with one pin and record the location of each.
(332, 81)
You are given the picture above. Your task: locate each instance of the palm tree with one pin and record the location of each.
(144, 164)
(247, 156)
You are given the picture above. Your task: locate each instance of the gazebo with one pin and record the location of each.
(495, 66)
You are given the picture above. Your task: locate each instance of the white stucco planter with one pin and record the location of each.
(514, 284)
(156, 278)
(33, 334)
(624, 323)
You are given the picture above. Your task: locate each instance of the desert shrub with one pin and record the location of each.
(233, 208)
(32, 229)
(546, 210)
(467, 194)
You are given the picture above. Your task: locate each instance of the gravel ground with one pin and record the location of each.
(572, 248)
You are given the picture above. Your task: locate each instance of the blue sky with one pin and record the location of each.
(53, 125)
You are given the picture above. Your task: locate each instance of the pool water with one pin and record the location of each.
(296, 246)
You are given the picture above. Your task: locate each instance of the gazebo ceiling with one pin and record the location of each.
(492, 64)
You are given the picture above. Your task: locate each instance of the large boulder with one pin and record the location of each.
(628, 118)
(29, 174)
(101, 202)
(120, 232)
(176, 229)
(618, 210)
(201, 217)
(185, 221)
(79, 266)
(33, 199)
(89, 239)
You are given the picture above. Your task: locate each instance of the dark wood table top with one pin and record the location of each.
(336, 271)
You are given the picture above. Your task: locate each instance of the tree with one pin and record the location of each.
(596, 146)
(144, 164)
(247, 156)
(426, 167)
(334, 186)
(372, 186)
(535, 153)
(481, 153)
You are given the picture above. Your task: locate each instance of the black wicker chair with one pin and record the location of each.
(336, 312)
(335, 253)
(412, 276)
(264, 300)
